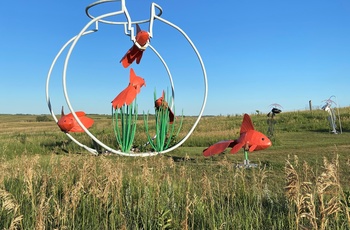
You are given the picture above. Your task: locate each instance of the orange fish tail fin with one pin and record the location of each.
(216, 148)
(87, 122)
(80, 113)
(130, 56)
(125, 97)
(119, 100)
(138, 57)
(130, 95)
(125, 62)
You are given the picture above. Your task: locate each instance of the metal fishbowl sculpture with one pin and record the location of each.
(332, 117)
(249, 139)
(124, 106)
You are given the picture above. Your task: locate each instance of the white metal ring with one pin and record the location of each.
(123, 9)
(84, 32)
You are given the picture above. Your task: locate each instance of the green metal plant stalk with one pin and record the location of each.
(164, 130)
(127, 115)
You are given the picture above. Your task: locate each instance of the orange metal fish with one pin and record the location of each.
(136, 51)
(67, 123)
(128, 95)
(249, 139)
(160, 102)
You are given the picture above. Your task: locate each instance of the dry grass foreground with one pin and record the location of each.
(300, 184)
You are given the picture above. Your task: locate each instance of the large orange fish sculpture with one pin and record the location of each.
(128, 95)
(249, 139)
(161, 103)
(68, 123)
(135, 52)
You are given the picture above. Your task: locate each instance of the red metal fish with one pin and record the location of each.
(160, 102)
(136, 51)
(128, 95)
(249, 139)
(67, 123)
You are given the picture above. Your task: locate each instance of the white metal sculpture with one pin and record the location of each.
(333, 118)
(155, 14)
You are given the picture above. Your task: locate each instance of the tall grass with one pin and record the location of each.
(153, 193)
(317, 200)
(46, 182)
(158, 193)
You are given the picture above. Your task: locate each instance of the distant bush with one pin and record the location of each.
(42, 118)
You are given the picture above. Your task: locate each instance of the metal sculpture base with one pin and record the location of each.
(246, 162)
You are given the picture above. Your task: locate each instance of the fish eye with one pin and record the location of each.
(263, 139)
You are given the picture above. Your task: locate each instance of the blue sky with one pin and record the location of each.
(256, 53)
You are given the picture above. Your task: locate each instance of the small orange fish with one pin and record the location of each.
(67, 123)
(160, 102)
(135, 52)
(128, 95)
(249, 139)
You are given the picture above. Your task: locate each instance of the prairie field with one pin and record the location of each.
(300, 182)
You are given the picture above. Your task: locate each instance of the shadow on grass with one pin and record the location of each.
(57, 146)
(181, 159)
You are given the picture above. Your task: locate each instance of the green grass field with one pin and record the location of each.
(302, 181)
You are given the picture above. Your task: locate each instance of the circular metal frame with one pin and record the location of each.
(123, 9)
(84, 32)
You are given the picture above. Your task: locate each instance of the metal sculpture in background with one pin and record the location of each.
(276, 109)
(125, 102)
(332, 116)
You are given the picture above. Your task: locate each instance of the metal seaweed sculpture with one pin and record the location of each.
(125, 132)
(164, 125)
